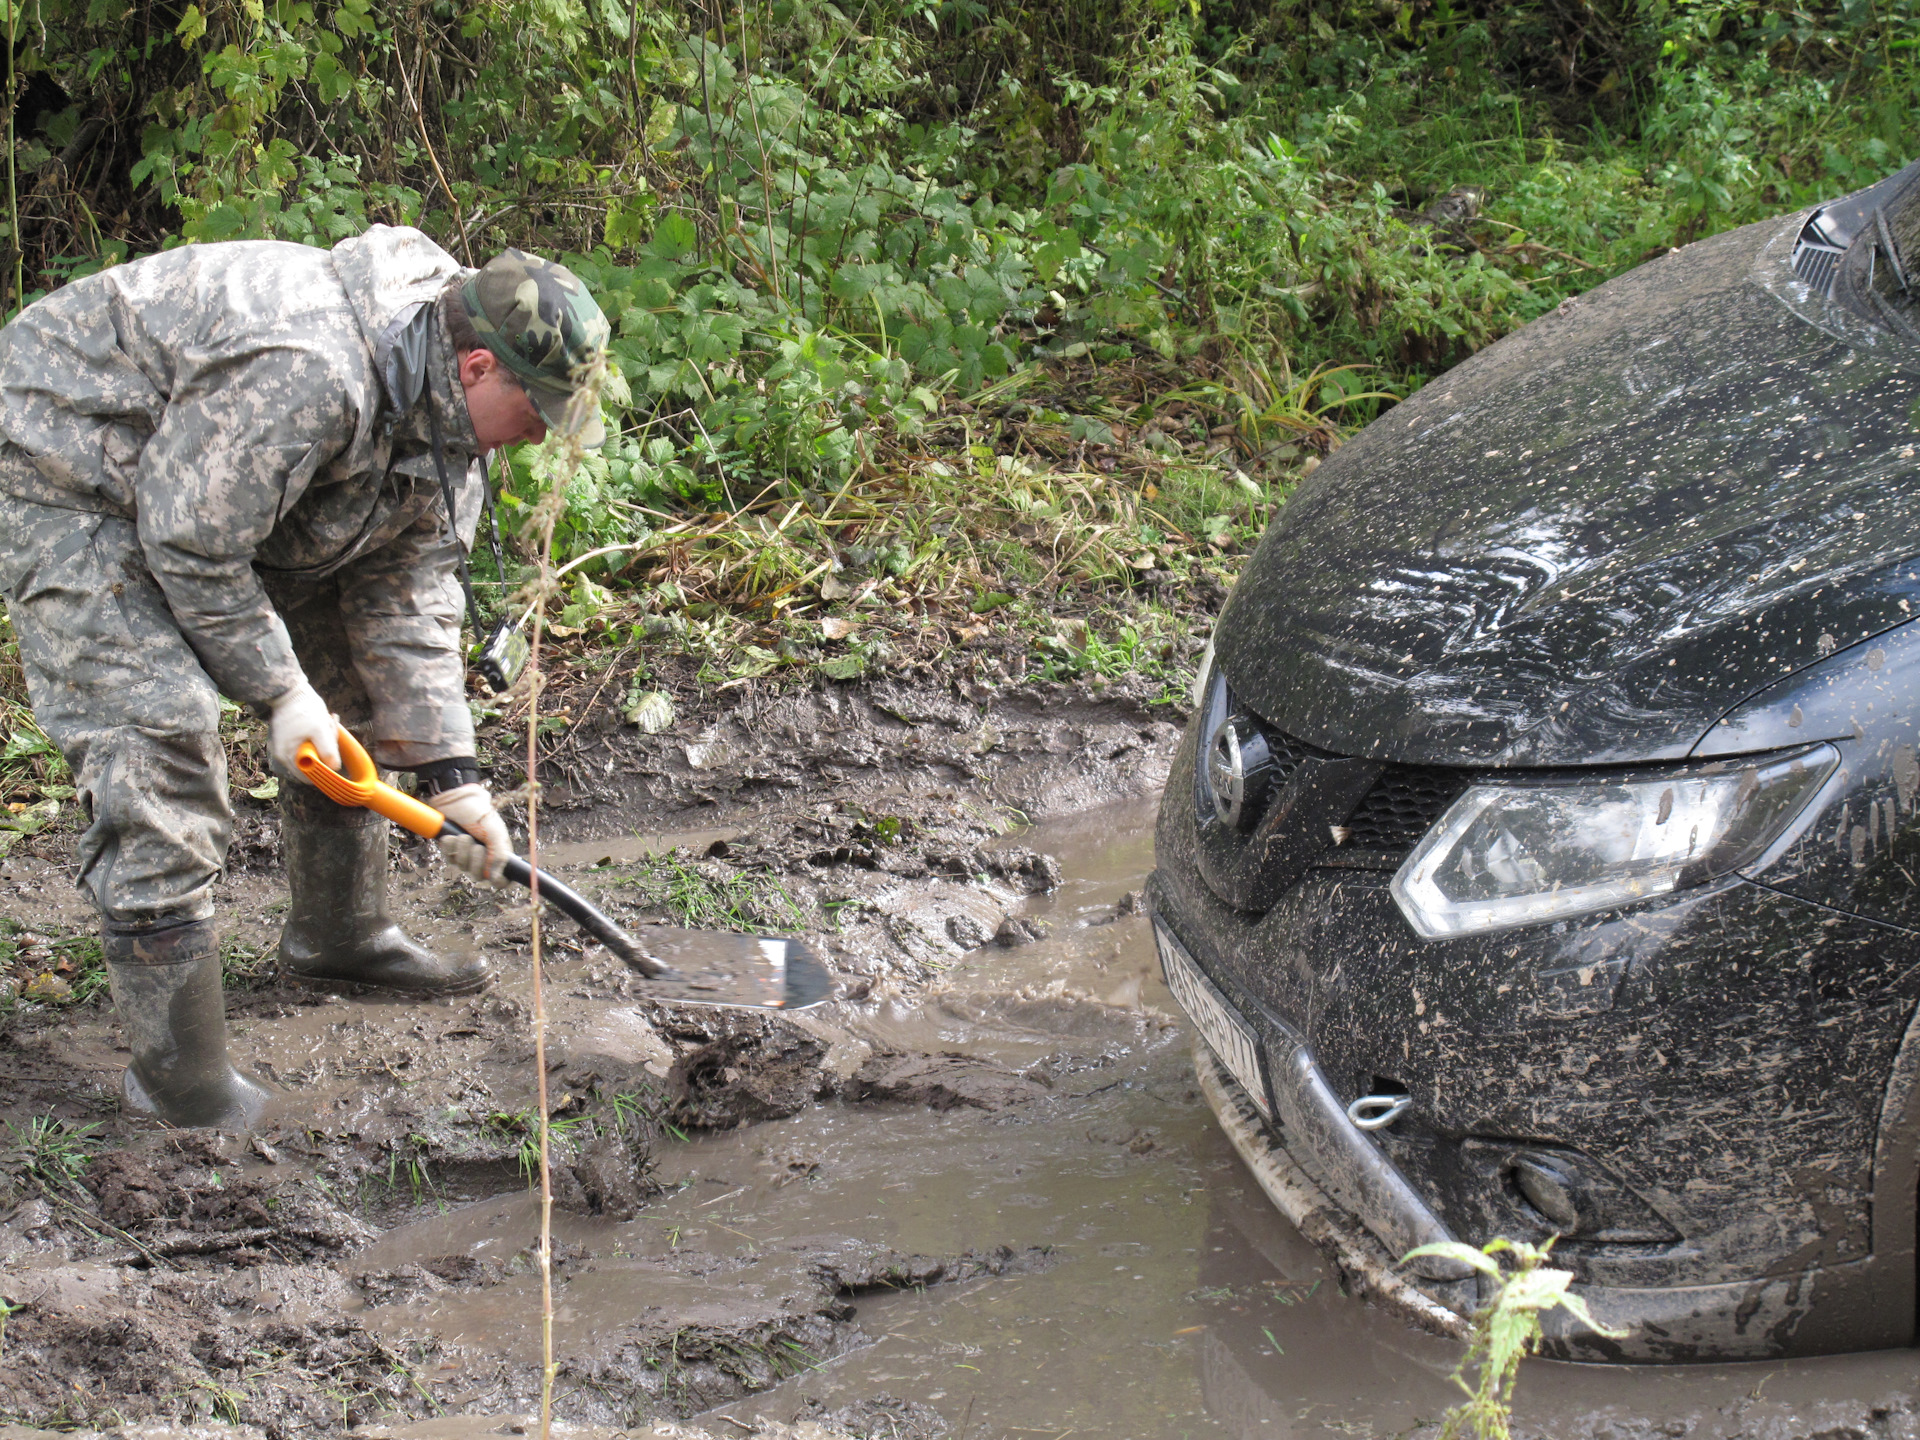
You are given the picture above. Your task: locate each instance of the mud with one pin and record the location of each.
(979, 1196)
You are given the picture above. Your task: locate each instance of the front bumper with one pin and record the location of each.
(1321, 1141)
(1366, 1265)
(1735, 1065)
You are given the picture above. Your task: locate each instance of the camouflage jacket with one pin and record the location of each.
(256, 408)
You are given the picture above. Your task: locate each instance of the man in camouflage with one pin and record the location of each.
(218, 476)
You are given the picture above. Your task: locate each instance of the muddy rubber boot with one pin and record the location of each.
(338, 934)
(166, 986)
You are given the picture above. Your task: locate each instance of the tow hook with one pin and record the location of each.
(1376, 1112)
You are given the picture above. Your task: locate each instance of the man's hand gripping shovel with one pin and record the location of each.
(688, 967)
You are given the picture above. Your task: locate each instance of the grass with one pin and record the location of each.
(1081, 492)
(56, 970)
(48, 1154)
(951, 534)
(248, 967)
(705, 895)
(524, 1125)
(34, 780)
(29, 764)
(628, 1112)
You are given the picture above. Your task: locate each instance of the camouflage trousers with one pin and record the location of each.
(117, 688)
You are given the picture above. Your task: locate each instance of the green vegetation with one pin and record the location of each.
(638, 1116)
(706, 895)
(33, 777)
(939, 320)
(47, 1155)
(522, 1129)
(1505, 1330)
(408, 1159)
(248, 966)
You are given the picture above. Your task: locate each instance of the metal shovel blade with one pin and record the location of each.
(683, 967)
(715, 967)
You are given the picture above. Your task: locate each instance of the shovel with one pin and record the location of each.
(710, 967)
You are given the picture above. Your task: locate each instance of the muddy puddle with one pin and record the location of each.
(1054, 1240)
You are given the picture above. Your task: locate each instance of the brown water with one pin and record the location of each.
(1179, 1304)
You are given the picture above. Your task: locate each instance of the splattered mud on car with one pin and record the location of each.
(981, 1195)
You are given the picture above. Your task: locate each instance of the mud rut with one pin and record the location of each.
(978, 1197)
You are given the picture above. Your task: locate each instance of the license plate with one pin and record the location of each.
(1212, 1014)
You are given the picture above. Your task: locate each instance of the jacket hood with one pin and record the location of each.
(392, 274)
(1593, 539)
(389, 272)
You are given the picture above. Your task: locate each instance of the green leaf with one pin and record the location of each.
(332, 81)
(1576, 1306)
(754, 661)
(28, 821)
(268, 789)
(650, 710)
(192, 26)
(627, 221)
(844, 667)
(221, 222)
(24, 744)
(1537, 1290)
(674, 236)
(1454, 1250)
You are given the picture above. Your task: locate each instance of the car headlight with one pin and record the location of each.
(1509, 854)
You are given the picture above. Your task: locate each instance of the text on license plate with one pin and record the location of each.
(1212, 1014)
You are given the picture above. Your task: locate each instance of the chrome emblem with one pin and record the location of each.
(1239, 768)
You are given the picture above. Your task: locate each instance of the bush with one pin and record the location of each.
(817, 230)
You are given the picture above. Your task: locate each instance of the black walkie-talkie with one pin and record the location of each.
(501, 659)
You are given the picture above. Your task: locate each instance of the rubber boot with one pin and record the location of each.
(338, 934)
(166, 986)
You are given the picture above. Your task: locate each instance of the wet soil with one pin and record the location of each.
(977, 1196)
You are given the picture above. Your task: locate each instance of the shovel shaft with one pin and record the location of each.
(361, 785)
(578, 908)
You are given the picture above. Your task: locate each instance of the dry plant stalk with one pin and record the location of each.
(561, 458)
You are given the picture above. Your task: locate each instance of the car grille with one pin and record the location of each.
(1397, 810)
(1402, 806)
(1286, 751)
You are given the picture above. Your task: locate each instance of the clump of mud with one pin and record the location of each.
(944, 1082)
(883, 1417)
(734, 1068)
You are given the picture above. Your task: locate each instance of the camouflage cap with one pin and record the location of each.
(540, 321)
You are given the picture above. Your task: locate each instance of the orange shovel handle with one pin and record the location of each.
(362, 786)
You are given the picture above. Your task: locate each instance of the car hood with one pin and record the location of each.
(1593, 539)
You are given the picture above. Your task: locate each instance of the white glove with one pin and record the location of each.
(484, 852)
(301, 715)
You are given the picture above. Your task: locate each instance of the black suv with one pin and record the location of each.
(1542, 858)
